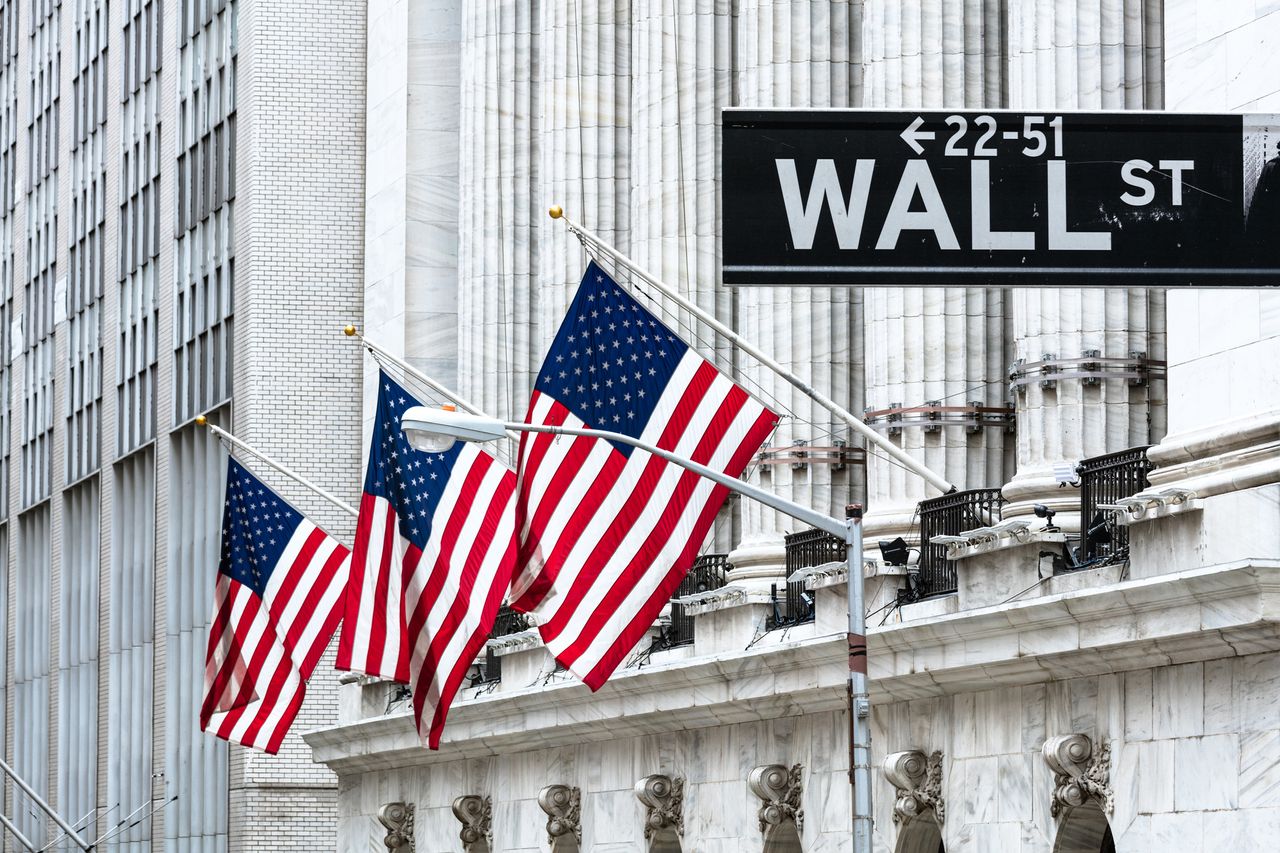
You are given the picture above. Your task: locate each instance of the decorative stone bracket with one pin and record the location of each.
(398, 819)
(563, 806)
(781, 790)
(1079, 772)
(918, 781)
(663, 799)
(476, 816)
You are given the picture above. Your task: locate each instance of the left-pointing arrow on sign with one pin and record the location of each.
(913, 135)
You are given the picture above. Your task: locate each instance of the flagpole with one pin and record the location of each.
(444, 391)
(201, 420)
(856, 423)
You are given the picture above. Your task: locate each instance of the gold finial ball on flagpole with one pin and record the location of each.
(556, 211)
(201, 420)
(349, 330)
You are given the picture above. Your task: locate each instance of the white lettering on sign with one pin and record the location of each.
(916, 177)
(983, 236)
(1134, 174)
(1059, 237)
(803, 216)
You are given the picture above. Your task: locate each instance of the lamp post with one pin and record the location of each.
(436, 430)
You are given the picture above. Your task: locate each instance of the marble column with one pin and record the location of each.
(583, 144)
(933, 345)
(798, 54)
(681, 78)
(500, 210)
(1082, 54)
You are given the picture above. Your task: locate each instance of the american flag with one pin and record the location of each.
(433, 556)
(607, 530)
(277, 603)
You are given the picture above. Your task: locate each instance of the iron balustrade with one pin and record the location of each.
(950, 515)
(1107, 479)
(707, 573)
(804, 550)
(506, 623)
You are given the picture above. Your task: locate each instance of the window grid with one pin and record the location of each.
(8, 206)
(205, 251)
(131, 648)
(139, 243)
(77, 716)
(42, 253)
(31, 667)
(195, 763)
(88, 220)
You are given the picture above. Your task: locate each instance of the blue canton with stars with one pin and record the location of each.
(256, 526)
(412, 481)
(611, 359)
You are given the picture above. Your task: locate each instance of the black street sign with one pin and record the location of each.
(1000, 198)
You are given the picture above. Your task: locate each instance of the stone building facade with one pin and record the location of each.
(1126, 706)
(180, 233)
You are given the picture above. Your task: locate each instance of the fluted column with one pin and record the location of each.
(681, 78)
(1088, 55)
(933, 345)
(583, 143)
(499, 209)
(798, 54)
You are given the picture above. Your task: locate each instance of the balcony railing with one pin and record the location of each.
(794, 606)
(706, 574)
(950, 515)
(507, 622)
(1105, 480)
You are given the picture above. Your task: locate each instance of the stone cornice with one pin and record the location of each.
(1206, 613)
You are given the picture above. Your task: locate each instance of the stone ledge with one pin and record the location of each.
(1201, 614)
(1205, 613)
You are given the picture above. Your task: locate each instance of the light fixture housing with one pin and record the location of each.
(895, 552)
(435, 430)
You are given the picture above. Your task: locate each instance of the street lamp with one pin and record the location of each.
(436, 430)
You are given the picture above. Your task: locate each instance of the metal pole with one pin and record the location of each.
(859, 699)
(769, 499)
(267, 460)
(856, 423)
(22, 839)
(44, 807)
(444, 391)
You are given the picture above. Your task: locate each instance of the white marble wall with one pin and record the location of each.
(804, 54)
(1082, 54)
(719, 809)
(1194, 756)
(933, 343)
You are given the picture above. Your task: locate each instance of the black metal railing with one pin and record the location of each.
(805, 549)
(507, 622)
(707, 573)
(950, 515)
(1104, 480)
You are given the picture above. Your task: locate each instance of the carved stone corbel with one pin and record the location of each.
(781, 790)
(476, 816)
(663, 799)
(918, 781)
(1079, 772)
(563, 806)
(398, 820)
